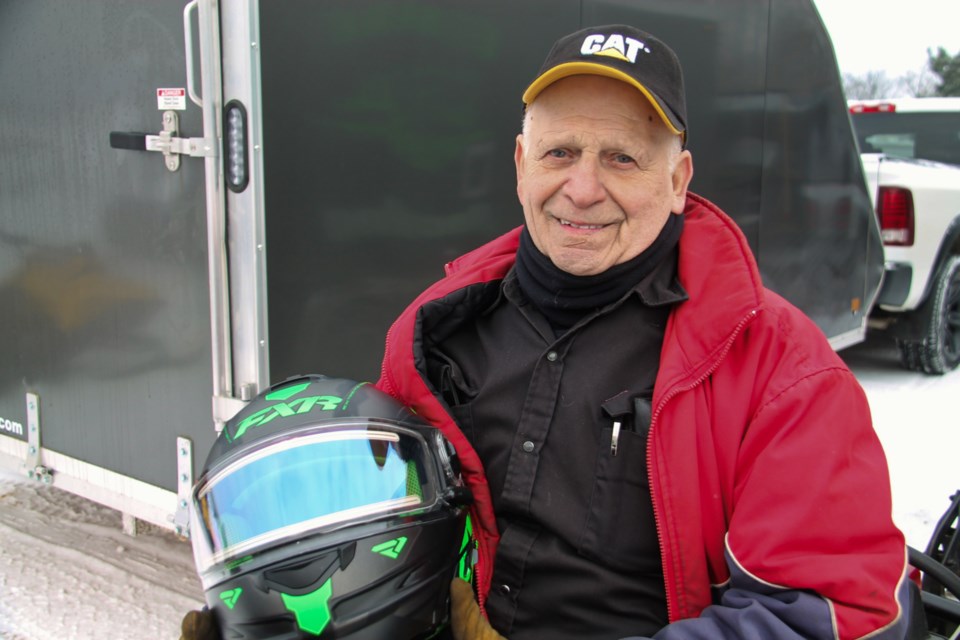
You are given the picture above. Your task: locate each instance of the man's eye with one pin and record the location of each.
(622, 158)
(557, 153)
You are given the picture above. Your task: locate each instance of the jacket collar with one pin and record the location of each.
(720, 274)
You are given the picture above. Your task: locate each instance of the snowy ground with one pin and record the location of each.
(68, 572)
(917, 420)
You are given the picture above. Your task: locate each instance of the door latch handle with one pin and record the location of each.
(166, 142)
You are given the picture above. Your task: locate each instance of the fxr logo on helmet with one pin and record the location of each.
(285, 410)
(616, 46)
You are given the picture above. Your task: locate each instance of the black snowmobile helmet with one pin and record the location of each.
(326, 509)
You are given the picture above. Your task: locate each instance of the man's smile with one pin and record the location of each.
(581, 226)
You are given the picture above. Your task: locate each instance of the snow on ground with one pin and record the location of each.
(917, 420)
(68, 572)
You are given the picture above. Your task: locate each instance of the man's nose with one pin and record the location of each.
(584, 184)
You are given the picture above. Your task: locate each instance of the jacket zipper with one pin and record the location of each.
(388, 380)
(672, 393)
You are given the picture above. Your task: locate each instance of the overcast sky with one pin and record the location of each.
(890, 35)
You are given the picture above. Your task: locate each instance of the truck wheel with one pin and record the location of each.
(939, 351)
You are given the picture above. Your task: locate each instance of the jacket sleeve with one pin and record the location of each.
(811, 548)
(750, 609)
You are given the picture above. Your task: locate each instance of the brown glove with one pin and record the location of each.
(199, 625)
(466, 621)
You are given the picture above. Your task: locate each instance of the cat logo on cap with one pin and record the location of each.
(614, 46)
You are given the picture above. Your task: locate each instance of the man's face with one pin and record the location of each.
(597, 173)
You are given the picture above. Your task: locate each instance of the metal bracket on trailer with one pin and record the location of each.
(181, 518)
(225, 408)
(34, 460)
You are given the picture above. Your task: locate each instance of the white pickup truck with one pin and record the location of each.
(910, 149)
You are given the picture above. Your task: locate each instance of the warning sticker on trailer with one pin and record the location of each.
(171, 99)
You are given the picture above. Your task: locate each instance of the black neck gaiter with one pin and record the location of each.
(565, 298)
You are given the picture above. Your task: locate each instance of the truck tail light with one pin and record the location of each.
(881, 107)
(895, 211)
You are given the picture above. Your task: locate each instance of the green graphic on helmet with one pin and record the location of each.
(285, 410)
(236, 562)
(311, 610)
(287, 392)
(413, 481)
(353, 391)
(231, 596)
(391, 548)
(465, 566)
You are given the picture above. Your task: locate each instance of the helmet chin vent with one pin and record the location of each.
(305, 575)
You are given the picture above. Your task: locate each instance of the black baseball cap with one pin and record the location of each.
(624, 53)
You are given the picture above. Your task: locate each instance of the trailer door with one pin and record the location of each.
(110, 324)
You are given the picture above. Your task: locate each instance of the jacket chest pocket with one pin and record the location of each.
(619, 530)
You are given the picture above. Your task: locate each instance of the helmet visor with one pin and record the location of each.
(308, 482)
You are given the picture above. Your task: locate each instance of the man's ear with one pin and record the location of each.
(682, 175)
(518, 160)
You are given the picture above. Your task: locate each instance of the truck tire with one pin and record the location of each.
(939, 351)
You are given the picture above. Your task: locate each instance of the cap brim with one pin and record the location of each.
(589, 68)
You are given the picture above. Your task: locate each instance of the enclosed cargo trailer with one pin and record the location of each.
(199, 200)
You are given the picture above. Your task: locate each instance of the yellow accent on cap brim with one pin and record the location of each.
(568, 69)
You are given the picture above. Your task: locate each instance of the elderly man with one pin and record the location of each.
(658, 446)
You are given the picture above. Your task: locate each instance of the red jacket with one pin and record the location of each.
(769, 485)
